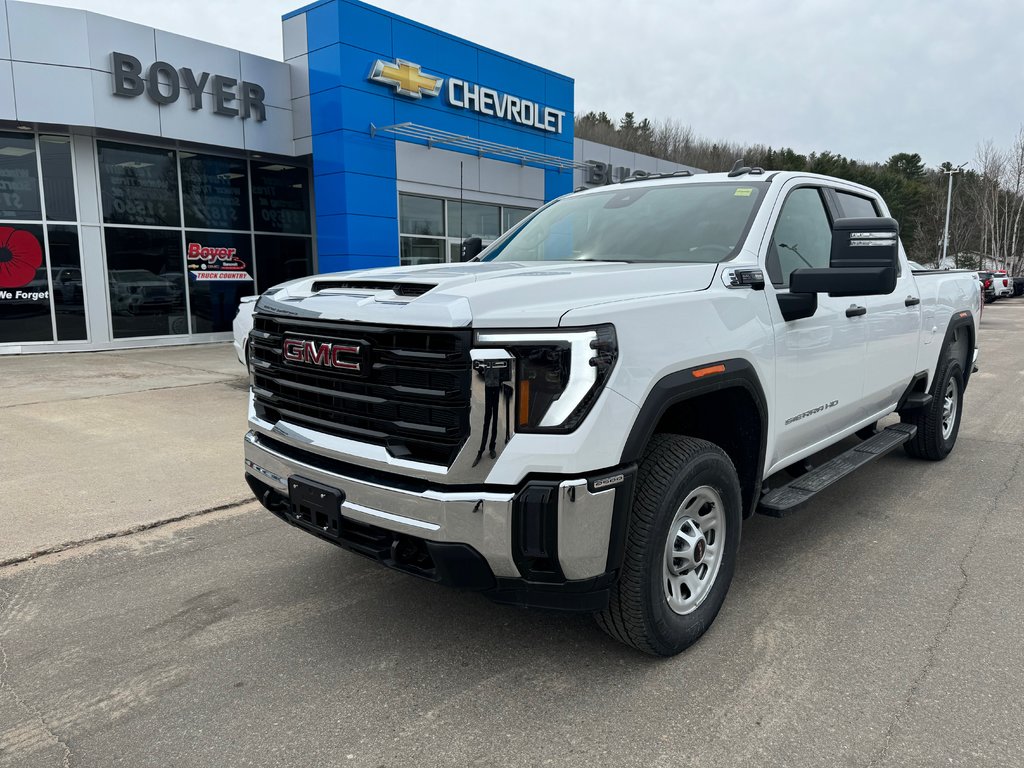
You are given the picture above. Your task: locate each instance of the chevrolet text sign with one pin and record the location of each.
(163, 84)
(409, 80)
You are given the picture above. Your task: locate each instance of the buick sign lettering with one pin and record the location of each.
(163, 84)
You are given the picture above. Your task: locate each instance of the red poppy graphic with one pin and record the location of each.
(20, 257)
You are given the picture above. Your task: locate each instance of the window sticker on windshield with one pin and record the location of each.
(743, 192)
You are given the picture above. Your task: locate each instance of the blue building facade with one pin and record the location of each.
(376, 80)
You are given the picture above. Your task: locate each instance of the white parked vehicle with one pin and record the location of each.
(241, 326)
(583, 417)
(1003, 284)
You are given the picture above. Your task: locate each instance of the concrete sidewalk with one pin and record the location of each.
(97, 443)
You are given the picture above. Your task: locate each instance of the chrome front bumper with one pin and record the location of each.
(586, 512)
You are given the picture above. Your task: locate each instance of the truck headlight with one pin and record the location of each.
(559, 374)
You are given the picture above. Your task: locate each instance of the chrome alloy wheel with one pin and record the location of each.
(693, 551)
(949, 408)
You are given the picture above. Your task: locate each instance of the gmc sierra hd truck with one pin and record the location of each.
(583, 415)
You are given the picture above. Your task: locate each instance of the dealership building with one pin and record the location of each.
(149, 180)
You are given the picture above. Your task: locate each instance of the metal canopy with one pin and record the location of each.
(434, 136)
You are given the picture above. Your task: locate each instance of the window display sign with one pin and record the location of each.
(20, 256)
(280, 198)
(215, 191)
(19, 178)
(24, 289)
(139, 184)
(215, 263)
(220, 273)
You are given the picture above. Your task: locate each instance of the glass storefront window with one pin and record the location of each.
(146, 281)
(512, 216)
(473, 220)
(280, 259)
(422, 250)
(66, 277)
(19, 178)
(24, 289)
(215, 191)
(139, 185)
(181, 240)
(280, 198)
(58, 180)
(420, 215)
(220, 272)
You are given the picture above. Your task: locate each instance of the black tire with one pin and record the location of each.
(930, 443)
(638, 611)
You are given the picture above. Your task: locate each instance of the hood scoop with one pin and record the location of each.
(409, 290)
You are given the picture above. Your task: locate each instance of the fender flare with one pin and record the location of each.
(960, 319)
(685, 385)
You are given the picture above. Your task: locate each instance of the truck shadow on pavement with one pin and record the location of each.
(401, 616)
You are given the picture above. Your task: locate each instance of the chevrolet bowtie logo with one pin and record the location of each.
(406, 78)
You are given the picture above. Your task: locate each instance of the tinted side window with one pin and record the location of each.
(856, 207)
(802, 237)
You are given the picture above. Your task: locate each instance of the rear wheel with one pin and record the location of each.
(681, 547)
(938, 424)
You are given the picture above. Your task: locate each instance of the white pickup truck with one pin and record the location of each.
(583, 416)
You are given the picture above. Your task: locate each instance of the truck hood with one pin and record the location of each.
(484, 294)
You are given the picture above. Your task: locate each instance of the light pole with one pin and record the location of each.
(949, 199)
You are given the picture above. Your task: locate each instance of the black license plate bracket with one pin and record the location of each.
(315, 504)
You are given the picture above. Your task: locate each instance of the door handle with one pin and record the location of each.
(855, 311)
(912, 301)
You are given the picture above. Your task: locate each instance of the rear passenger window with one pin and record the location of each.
(856, 207)
(802, 237)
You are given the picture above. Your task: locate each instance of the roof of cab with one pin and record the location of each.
(720, 178)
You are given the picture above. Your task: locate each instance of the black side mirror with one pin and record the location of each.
(470, 247)
(863, 262)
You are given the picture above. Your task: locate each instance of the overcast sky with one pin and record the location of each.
(865, 78)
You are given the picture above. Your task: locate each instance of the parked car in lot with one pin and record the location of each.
(67, 285)
(583, 416)
(988, 286)
(241, 326)
(137, 291)
(1002, 284)
(1018, 286)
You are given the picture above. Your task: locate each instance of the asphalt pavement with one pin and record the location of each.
(879, 626)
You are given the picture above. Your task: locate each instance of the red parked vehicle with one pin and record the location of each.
(988, 288)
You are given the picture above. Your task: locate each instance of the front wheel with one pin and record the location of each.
(938, 424)
(681, 546)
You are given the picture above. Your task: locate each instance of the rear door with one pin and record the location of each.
(819, 359)
(893, 322)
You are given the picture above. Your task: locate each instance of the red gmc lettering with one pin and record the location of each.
(321, 353)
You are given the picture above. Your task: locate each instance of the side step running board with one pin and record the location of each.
(916, 400)
(779, 501)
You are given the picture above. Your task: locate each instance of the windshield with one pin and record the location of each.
(692, 222)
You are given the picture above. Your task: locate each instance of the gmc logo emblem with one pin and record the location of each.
(322, 353)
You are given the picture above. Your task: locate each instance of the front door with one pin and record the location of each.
(893, 322)
(819, 372)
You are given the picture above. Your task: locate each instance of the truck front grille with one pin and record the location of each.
(406, 389)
